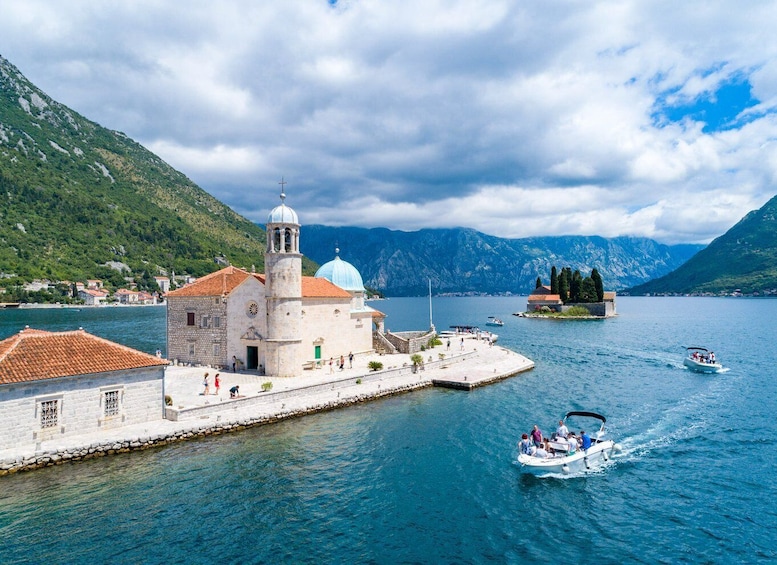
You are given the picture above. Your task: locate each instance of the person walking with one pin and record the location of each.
(206, 384)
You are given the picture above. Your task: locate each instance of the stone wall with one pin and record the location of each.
(409, 342)
(208, 335)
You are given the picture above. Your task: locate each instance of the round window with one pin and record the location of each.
(253, 309)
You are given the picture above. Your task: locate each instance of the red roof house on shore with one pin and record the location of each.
(58, 384)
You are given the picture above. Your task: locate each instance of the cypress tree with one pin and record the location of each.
(588, 290)
(539, 283)
(553, 281)
(574, 286)
(563, 286)
(599, 284)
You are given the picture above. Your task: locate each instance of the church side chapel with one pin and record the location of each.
(277, 323)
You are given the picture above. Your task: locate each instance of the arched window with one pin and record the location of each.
(288, 246)
(277, 240)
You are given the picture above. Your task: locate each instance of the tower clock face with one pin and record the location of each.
(252, 309)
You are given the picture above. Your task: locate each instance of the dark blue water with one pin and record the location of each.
(429, 477)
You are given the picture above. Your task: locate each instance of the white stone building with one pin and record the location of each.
(58, 384)
(277, 323)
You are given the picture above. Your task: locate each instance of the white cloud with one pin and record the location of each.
(516, 119)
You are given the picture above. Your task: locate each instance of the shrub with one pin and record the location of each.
(266, 386)
(168, 400)
(358, 381)
(375, 365)
(577, 311)
(416, 359)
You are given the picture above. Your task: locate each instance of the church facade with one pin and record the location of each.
(276, 323)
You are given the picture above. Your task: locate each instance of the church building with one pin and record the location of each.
(277, 323)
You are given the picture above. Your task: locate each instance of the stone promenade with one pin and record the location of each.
(464, 365)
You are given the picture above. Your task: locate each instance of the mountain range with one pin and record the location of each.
(79, 201)
(465, 261)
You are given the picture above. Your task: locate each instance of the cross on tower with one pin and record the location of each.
(283, 184)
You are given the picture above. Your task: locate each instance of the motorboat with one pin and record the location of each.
(564, 459)
(701, 360)
(494, 321)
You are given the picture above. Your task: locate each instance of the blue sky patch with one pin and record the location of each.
(719, 109)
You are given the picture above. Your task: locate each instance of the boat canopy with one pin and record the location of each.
(586, 415)
(698, 349)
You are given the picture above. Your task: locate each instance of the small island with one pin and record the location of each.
(570, 295)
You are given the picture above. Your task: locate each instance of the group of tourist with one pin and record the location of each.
(561, 441)
(701, 358)
(341, 363)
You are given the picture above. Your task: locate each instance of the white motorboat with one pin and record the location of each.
(563, 459)
(494, 321)
(701, 360)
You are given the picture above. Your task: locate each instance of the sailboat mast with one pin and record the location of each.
(431, 322)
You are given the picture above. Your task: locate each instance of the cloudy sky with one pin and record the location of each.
(515, 118)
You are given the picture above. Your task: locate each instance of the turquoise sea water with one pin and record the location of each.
(430, 477)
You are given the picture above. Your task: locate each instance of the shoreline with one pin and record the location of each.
(198, 416)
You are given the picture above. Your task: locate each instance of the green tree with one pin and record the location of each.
(599, 284)
(574, 286)
(538, 284)
(554, 280)
(587, 291)
(563, 285)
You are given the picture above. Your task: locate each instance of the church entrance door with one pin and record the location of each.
(252, 358)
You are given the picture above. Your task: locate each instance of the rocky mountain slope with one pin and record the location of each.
(466, 261)
(80, 201)
(742, 260)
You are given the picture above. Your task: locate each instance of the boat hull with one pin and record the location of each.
(701, 367)
(578, 462)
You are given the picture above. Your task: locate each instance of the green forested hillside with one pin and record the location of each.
(743, 259)
(78, 201)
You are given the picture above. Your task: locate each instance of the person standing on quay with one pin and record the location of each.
(205, 384)
(216, 384)
(331, 366)
(350, 360)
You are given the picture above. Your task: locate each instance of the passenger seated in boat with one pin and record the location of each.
(541, 452)
(525, 446)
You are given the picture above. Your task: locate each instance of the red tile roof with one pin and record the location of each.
(33, 355)
(317, 287)
(544, 297)
(222, 282)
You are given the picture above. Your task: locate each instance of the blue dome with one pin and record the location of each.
(341, 273)
(282, 214)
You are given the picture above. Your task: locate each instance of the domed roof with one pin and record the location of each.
(341, 273)
(282, 214)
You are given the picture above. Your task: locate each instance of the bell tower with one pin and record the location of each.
(283, 289)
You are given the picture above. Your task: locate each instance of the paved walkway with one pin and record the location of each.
(471, 364)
